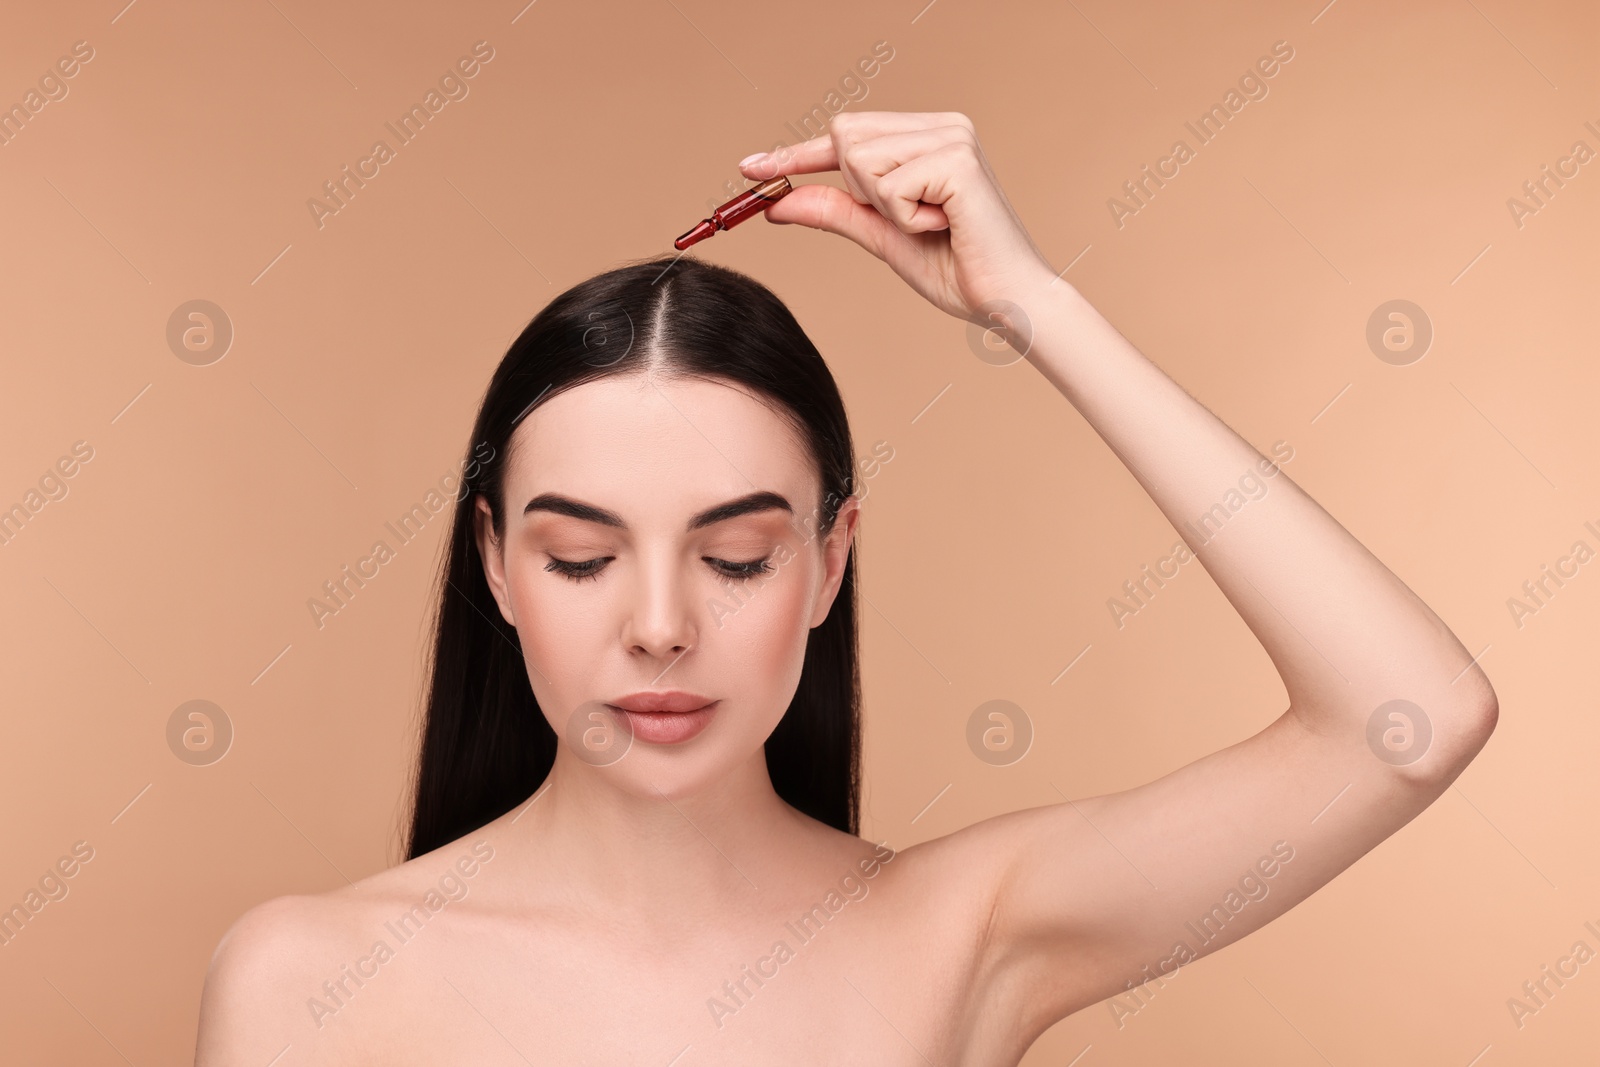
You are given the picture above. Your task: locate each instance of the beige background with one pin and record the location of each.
(219, 498)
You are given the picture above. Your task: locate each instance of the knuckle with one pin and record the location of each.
(896, 208)
(963, 134)
(963, 154)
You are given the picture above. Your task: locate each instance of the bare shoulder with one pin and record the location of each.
(265, 942)
(259, 972)
(282, 950)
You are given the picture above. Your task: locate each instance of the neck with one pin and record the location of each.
(654, 853)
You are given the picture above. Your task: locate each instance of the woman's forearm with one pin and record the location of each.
(1343, 631)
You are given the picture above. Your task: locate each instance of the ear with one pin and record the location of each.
(494, 561)
(835, 554)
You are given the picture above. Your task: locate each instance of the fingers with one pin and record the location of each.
(823, 207)
(872, 164)
(807, 157)
(865, 125)
(849, 127)
(885, 169)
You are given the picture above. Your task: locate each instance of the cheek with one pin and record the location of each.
(760, 645)
(561, 629)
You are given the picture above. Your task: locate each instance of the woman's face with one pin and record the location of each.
(622, 578)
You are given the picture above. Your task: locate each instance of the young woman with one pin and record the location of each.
(635, 828)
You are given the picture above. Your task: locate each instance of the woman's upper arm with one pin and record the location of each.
(1098, 895)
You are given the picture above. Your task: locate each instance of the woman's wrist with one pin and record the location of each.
(1041, 311)
(1013, 310)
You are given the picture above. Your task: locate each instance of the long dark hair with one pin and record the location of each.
(486, 746)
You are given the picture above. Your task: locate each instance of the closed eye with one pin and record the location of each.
(591, 568)
(739, 570)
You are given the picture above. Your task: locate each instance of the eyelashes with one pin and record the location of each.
(589, 568)
(731, 570)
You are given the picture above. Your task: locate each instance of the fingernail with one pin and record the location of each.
(747, 160)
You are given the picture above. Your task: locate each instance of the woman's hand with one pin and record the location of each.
(922, 199)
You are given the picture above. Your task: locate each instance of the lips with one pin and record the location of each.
(670, 700)
(666, 718)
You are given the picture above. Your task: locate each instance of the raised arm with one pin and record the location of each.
(1097, 895)
(1385, 709)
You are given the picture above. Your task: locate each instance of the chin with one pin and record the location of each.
(654, 771)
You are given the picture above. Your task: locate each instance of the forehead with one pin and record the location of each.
(656, 446)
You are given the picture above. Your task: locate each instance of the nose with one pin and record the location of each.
(660, 620)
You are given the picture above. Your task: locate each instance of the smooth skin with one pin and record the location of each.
(619, 901)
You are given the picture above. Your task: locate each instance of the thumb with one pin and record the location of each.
(823, 207)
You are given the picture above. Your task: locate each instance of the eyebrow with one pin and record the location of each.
(751, 503)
